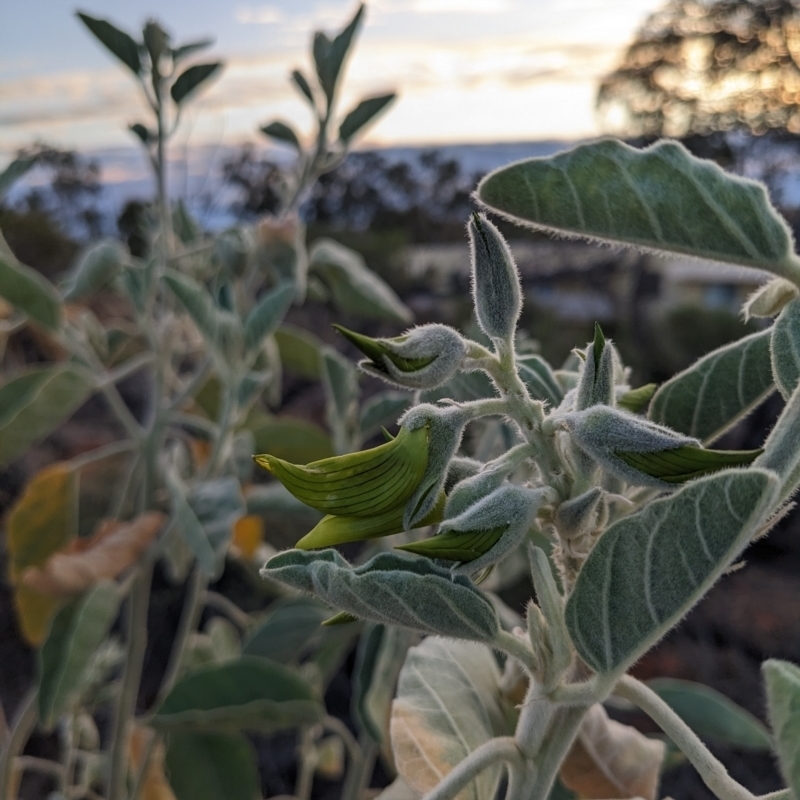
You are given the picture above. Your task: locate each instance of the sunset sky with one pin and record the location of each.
(467, 70)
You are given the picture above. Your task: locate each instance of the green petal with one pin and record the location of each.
(457, 545)
(360, 484)
(333, 530)
(685, 463)
(379, 349)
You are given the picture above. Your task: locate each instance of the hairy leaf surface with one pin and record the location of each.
(714, 393)
(286, 634)
(783, 700)
(660, 198)
(649, 569)
(391, 589)
(448, 704)
(785, 349)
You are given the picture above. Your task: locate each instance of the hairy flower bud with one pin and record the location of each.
(596, 384)
(495, 280)
(578, 516)
(422, 358)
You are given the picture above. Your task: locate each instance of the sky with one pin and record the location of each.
(467, 71)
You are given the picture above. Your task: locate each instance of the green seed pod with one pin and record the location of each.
(361, 484)
(422, 358)
(334, 530)
(495, 280)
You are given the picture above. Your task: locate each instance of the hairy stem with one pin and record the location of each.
(711, 770)
(228, 608)
(360, 771)
(502, 749)
(518, 648)
(21, 729)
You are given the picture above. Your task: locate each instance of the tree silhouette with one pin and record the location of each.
(696, 67)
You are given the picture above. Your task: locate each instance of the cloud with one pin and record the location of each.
(459, 6)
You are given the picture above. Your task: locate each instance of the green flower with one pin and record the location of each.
(363, 494)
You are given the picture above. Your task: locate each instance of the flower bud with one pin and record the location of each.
(445, 427)
(495, 280)
(470, 491)
(422, 358)
(596, 384)
(578, 516)
(362, 484)
(460, 468)
(768, 300)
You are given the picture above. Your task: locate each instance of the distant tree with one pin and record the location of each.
(702, 66)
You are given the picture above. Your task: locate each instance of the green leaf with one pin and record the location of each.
(286, 634)
(212, 766)
(141, 132)
(448, 704)
(363, 114)
(118, 42)
(249, 693)
(785, 349)
(299, 351)
(28, 291)
(96, 267)
(712, 715)
(687, 463)
(538, 376)
(267, 314)
(392, 589)
(190, 79)
(302, 84)
(340, 382)
(660, 198)
(782, 448)
(355, 289)
(649, 569)
(783, 700)
(185, 50)
(381, 410)
(14, 171)
(283, 133)
(717, 391)
(292, 439)
(35, 403)
(381, 653)
(636, 399)
(329, 55)
(77, 631)
(185, 226)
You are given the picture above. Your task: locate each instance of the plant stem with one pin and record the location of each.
(306, 765)
(21, 729)
(557, 742)
(517, 648)
(360, 772)
(44, 765)
(134, 658)
(711, 770)
(501, 749)
(227, 607)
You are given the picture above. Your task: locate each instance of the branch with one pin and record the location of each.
(500, 749)
(712, 771)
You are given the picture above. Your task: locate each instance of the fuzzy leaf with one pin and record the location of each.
(81, 563)
(448, 704)
(286, 634)
(283, 133)
(116, 41)
(769, 299)
(303, 85)
(650, 568)
(660, 198)
(785, 349)
(42, 520)
(340, 383)
(249, 693)
(189, 80)
(185, 50)
(363, 114)
(783, 700)
(496, 291)
(391, 589)
(717, 391)
(782, 448)
(75, 634)
(712, 715)
(14, 171)
(211, 766)
(35, 403)
(28, 291)
(538, 376)
(355, 288)
(609, 759)
(96, 267)
(267, 314)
